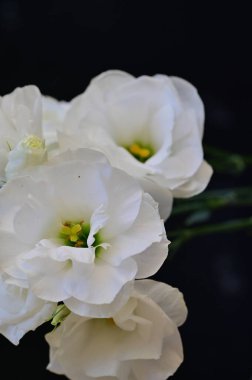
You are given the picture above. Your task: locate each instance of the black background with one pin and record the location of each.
(59, 46)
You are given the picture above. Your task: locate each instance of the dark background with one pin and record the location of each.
(59, 46)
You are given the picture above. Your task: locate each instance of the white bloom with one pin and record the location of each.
(30, 151)
(140, 342)
(20, 310)
(28, 123)
(81, 231)
(151, 127)
(21, 139)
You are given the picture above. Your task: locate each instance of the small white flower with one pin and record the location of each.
(81, 231)
(151, 127)
(141, 341)
(21, 139)
(20, 310)
(28, 123)
(30, 151)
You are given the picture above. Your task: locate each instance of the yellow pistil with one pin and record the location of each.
(71, 232)
(33, 142)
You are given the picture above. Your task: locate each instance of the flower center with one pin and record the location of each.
(33, 142)
(75, 234)
(140, 151)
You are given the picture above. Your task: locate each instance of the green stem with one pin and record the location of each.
(229, 226)
(183, 235)
(221, 192)
(215, 199)
(225, 161)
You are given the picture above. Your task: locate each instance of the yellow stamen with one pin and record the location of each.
(33, 142)
(75, 234)
(65, 230)
(145, 152)
(137, 150)
(75, 228)
(73, 238)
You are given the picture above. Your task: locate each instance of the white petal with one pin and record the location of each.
(102, 283)
(170, 360)
(21, 311)
(111, 79)
(3, 162)
(87, 136)
(47, 279)
(125, 196)
(35, 220)
(196, 184)
(162, 196)
(65, 272)
(80, 154)
(155, 92)
(161, 127)
(8, 133)
(147, 229)
(128, 118)
(98, 220)
(53, 111)
(102, 310)
(79, 186)
(18, 192)
(151, 260)
(93, 97)
(170, 299)
(23, 108)
(187, 153)
(11, 247)
(190, 98)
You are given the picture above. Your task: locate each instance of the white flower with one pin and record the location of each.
(28, 124)
(21, 139)
(20, 310)
(151, 127)
(140, 342)
(81, 231)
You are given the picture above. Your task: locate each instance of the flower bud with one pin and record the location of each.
(28, 152)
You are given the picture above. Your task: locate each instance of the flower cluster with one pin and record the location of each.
(86, 188)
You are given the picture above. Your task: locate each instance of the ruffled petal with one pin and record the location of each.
(162, 196)
(101, 310)
(151, 260)
(11, 248)
(170, 299)
(147, 229)
(23, 107)
(20, 311)
(196, 184)
(139, 335)
(190, 98)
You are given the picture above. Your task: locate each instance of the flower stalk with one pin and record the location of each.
(215, 199)
(186, 234)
